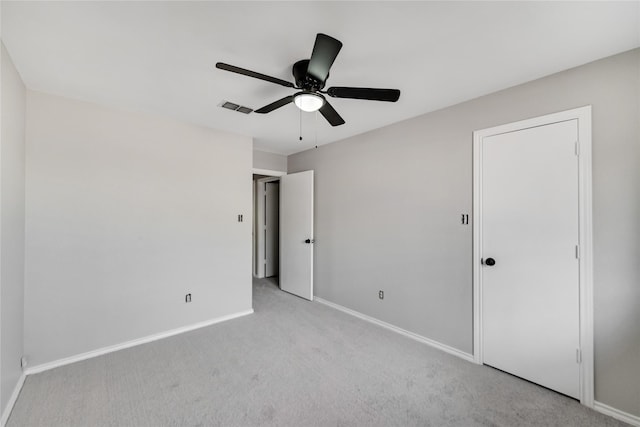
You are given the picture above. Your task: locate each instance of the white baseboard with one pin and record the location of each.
(12, 401)
(634, 420)
(435, 344)
(110, 349)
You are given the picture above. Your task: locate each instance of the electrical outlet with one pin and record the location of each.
(187, 298)
(381, 294)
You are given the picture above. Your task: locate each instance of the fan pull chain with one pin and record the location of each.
(300, 125)
(316, 128)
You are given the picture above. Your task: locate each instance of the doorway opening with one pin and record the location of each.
(266, 233)
(283, 230)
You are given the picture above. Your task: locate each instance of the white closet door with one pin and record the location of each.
(530, 295)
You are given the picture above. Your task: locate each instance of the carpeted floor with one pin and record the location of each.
(292, 363)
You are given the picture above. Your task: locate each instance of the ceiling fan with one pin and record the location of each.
(310, 76)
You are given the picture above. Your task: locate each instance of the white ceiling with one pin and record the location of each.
(159, 57)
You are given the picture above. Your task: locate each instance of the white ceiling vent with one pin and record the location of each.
(235, 107)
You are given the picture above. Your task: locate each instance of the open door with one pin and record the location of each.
(296, 234)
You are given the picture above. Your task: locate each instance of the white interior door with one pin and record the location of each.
(530, 229)
(296, 234)
(271, 233)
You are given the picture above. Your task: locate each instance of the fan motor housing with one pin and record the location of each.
(304, 81)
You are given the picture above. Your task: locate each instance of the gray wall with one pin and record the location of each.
(12, 165)
(269, 161)
(125, 214)
(388, 207)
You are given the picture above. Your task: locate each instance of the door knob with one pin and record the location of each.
(309, 241)
(490, 261)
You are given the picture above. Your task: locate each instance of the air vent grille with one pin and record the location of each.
(235, 107)
(230, 105)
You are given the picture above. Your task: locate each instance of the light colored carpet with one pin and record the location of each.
(292, 363)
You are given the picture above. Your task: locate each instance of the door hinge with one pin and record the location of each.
(577, 148)
(578, 355)
(577, 251)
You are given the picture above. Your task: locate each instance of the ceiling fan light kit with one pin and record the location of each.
(308, 102)
(310, 76)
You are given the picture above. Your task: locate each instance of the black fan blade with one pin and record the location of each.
(324, 53)
(275, 105)
(389, 95)
(331, 115)
(253, 74)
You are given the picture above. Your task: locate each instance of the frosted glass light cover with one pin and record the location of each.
(308, 102)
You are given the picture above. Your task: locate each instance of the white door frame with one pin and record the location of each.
(583, 147)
